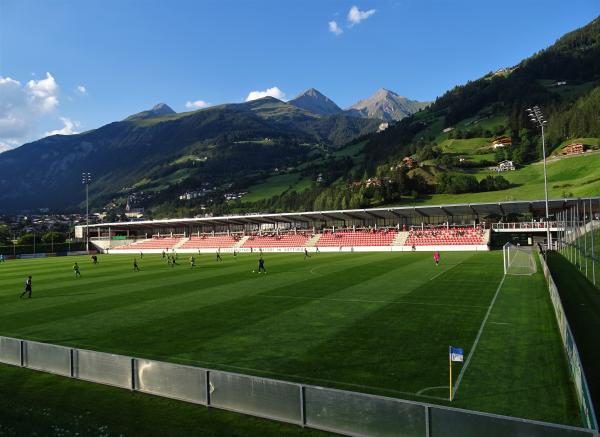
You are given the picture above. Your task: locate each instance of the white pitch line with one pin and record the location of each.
(398, 302)
(444, 271)
(472, 351)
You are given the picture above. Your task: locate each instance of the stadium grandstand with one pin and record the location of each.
(458, 227)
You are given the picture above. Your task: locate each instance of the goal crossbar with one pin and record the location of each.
(518, 260)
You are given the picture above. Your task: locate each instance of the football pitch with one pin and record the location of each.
(371, 322)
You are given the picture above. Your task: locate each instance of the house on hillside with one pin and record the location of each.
(573, 149)
(130, 211)
(382, 127)
(505, 166)
(409, 162)
(448, 129)
(500, 142)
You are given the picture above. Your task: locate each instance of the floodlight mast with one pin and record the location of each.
(86, 179)
(537, 117)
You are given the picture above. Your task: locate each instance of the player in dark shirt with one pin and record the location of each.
(261, 266)
(27, 288)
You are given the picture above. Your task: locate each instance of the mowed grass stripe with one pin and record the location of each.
(375, 322)
(317, 320)
(519, 367)
(187, 331)
(397, 348)
(109, 313)
(165, 287)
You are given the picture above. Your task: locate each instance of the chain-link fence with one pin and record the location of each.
(579, 238)
(321, 408)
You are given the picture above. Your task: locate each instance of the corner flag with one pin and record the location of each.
(456, 354)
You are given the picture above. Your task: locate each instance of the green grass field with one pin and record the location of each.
(374, 322)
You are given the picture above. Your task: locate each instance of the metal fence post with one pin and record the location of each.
(427, 420)
(71, 364)
(302, 406)
(22, 353)
(578, 234)
(585, 241)
(593, 246)
(133, 366)
(207, 388)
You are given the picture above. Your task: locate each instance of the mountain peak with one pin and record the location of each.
(316, 102)
(386, 105)
(156, 111)
(162, 108)
(385, 92)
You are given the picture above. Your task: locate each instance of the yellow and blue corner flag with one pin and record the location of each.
(456, 354)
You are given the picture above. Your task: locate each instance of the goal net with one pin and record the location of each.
(518, 260)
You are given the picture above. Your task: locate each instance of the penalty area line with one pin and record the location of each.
(476, 342)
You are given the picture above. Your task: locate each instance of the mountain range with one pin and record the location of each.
(157, 148)
(384, 105)
(288, 147)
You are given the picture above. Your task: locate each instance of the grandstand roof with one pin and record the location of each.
(392, 212)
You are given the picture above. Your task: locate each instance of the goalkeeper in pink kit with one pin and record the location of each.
(436, 258)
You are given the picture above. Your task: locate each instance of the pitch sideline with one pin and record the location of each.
(477, 338)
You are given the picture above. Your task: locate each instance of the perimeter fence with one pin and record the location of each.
(579, 238)
(584, 398)
(338, 411)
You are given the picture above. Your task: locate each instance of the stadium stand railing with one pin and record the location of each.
(333, 239)
(353, 238)
(211, 242)
(157, 243)
(338, 411)
(285, 240)
(446, 236)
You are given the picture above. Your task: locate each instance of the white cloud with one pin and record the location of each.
(355, 15)
(69, 128)
(271, 92)
(24, 105)
(43, 93)
(81, 90)
(196, 104)
(334, 28)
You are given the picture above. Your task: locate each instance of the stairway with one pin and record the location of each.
(400, 239)
(312, 241)
(181, 243)
(486, 236)
(240, 242)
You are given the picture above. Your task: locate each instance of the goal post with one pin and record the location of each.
(518, 260)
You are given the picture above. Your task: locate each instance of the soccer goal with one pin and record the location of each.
(518, 260)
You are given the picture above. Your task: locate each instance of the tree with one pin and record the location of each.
(26, 239)
(53, 236)
(4, 234)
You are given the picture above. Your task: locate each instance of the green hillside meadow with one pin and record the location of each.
(374, 322)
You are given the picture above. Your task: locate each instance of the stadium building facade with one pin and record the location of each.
(473, 226)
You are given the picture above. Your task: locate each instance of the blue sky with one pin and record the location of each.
(128, 55)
